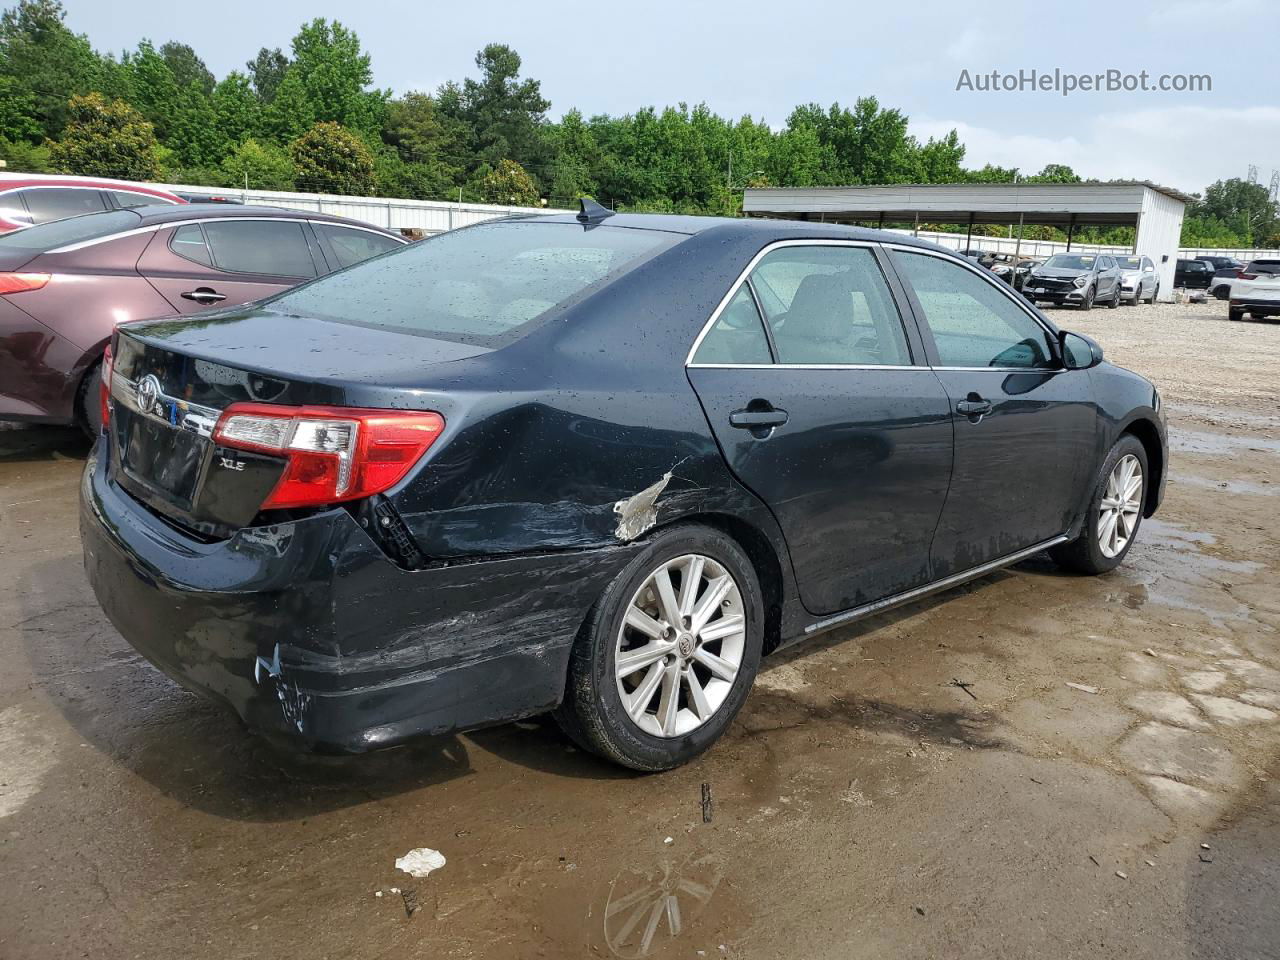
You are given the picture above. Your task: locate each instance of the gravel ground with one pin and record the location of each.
(865, 804)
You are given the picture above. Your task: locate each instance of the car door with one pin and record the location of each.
(1025, 427)
(344, 246)
(222, 262)
(819, 398)
(1110, 275)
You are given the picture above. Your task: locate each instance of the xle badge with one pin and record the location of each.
(229, 464)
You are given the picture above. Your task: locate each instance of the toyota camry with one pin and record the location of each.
(597, 465)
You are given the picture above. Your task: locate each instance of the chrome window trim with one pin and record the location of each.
(152, 228)
(742, 278)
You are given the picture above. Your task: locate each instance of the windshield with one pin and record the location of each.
(1069, 261)
(59, 233)
(1129, 263)
(483, 285)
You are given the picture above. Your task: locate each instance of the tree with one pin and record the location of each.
(259, 166)
(334, 74)
(267, 71)
(509, 184)
(1055, 173)
(330, 158)
(152, 87)
(504, 113)
(105, 139)
(17, 112)
(290, 113)
(236, 107)
(1239, 205)
(48, 63)
(188, 69)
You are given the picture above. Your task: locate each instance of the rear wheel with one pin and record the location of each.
(1115, 512)
(88, 405)
(1235, 313)
(668, 654)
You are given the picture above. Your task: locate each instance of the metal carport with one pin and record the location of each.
(1153, 211)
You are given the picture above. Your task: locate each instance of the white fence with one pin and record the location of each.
(437, 216)
(429, 216)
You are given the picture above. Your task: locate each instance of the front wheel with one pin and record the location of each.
(1155, 292)
(1115, 300)
(1087, 303)
(1115, 512)
(1235, 313)
(668, 654)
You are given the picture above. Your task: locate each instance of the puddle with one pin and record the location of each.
(1167, 566)
(1219, 444)
(1226, 416)
(1227, 486)
(647, 910)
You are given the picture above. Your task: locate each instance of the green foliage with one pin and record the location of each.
(266, 70)
(21, 156)
(503, 113)
(262, 165)
(17, 111)
(1238, 206)
(508, 183)
(331, 159)
(105, 139)
(333, 74)
(237, 110)
(188, 69)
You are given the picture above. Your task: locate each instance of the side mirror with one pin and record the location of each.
(1078, 351)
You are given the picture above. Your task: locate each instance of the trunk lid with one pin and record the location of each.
(172, 379)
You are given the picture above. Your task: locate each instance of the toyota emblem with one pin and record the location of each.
(149, 393)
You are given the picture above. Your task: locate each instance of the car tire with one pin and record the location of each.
(1115, 300)
(1087, 302)
(1096, 550)
(594, 714)
(1155, 293)
(1235, 313)
(88, 406)
(1137, 297)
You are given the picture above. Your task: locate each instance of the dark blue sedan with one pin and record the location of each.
(599, 465)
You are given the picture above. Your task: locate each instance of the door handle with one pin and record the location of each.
(757, 419)
(204, 295)
(974, 407)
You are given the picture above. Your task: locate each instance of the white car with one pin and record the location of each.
(1138, 279)
(1256, 291)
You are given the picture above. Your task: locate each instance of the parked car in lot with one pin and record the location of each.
(1192, 274)
(1220, 282)
(1219, 263)
(65, 285)
(598, 464)
(1256, 291)
(1016, 276)
(1076, 279)
(30, 198)
(1139, 280)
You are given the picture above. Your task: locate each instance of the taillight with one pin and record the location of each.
(22, 282)
(1241, 275)
(333, 453)
(104, 388)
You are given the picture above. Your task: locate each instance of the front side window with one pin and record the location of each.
(973, 323)
(830, 305)
(276, 248)
(352, 246)
(486, 285)
(738, 335)
(57, 203)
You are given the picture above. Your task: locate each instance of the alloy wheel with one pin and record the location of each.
(1121, 506)
(680, 646)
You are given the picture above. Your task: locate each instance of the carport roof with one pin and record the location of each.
(1116, 203)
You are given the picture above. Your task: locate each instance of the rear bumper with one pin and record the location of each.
(306, 629)
(1255, 303)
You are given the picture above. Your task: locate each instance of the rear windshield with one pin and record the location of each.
(1263, 266)
(485, 285)
(60, 233)
(1069, 261)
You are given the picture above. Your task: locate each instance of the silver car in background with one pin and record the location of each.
(1139, 281)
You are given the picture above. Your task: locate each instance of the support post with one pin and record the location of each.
(917, 230)
(1071, 229)
(1017, 251)
(968, 237)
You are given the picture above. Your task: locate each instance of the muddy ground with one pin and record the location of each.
(864, 804)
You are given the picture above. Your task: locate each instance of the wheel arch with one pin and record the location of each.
(1148, 435)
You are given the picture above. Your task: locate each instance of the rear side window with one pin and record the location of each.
(486, 284)
(124, 199)
(352, 246)
(830, 305)
(57, 203)
(1270, 267)
(188, 242)
(738, 335)
(276, 248)
(974, 324)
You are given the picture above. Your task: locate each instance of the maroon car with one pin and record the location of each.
(27, 198)
(65, 285)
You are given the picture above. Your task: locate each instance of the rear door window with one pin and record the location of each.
(188, 242)
(737, 338)
(276, 248)
(830, 305)
(57, 203)
(125, 199)
(351, 246)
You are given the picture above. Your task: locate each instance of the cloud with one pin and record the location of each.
(964, 48)
(1183, 147)
(1203, 12)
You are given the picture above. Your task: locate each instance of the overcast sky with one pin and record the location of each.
(762, 58)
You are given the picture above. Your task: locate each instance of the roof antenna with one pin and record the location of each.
(592, 212)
